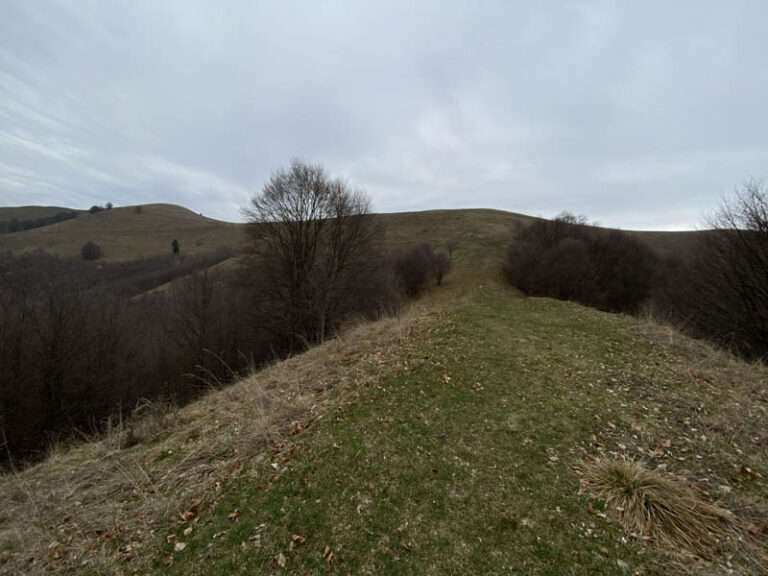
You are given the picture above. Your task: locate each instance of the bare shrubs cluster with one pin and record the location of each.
(566, 259)
(75, 349)
(415, 267)
(720, 290)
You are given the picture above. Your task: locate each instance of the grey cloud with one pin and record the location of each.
(636, 114)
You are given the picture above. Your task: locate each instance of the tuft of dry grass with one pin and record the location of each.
(651, 505)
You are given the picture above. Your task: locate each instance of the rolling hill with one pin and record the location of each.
(124, 234)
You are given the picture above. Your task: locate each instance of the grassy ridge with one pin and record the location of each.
(459, 461)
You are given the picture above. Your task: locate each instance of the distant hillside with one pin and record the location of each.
(480, 235)
(124, 234)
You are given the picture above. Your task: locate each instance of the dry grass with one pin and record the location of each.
(651, 505)
(99, 504)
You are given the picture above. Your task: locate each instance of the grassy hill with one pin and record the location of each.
(124, 234)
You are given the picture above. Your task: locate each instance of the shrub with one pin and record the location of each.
(720, 290)
(563, 258)
(413, 267)
(441, 265)
(90, 251)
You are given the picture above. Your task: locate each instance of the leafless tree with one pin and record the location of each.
(441, 265)
(724, 294)
(450, 247)
(313, 237)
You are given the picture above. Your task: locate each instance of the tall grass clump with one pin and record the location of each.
(650, 505)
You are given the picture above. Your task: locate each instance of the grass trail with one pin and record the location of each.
(460, 460)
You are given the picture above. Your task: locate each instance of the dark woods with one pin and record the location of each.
(719, 290)
(77, 345)
(82, 342)
(716, 290)
(566, 259)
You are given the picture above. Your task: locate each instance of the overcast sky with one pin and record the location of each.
(636, 114)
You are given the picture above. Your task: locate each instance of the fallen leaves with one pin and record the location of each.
(749, 473)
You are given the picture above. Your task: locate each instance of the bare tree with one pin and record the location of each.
(313, 238)
(724, 294)
(441, 265)
(450, 247)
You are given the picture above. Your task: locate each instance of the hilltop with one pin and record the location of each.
(440, 441)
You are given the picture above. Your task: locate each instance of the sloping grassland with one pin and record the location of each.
(440, 442)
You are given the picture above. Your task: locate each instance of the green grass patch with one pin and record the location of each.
(458, 463)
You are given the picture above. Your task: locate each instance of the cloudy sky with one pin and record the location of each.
(636, 114)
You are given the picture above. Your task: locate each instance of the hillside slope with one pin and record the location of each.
(124, 234)
(439, 442)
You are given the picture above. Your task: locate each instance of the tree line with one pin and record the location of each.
(81, 343)
(718, 290)
(16, 225)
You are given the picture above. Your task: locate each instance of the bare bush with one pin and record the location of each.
(721, 290)
(90, 251)
(413, 268)
(441, 265)
(566, 259)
